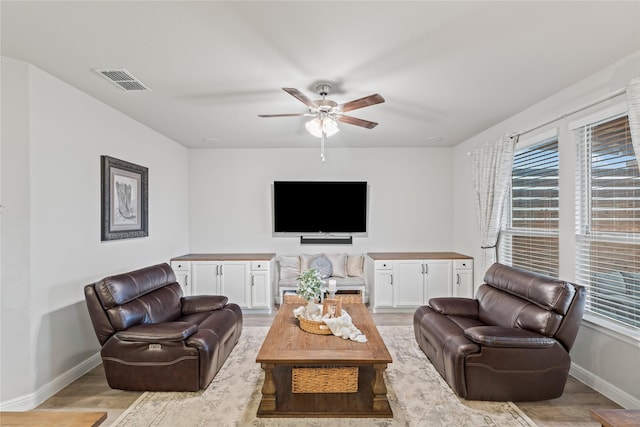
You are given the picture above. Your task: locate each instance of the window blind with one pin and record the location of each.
(529, 238)
(608, 220)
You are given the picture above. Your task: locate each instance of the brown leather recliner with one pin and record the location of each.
(155, 339)
(511, 343)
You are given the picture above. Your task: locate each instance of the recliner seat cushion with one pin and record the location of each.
(155, 332)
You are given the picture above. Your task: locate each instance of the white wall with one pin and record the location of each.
(51, 147)
(607, 361)
(15, 321)
(410, 197)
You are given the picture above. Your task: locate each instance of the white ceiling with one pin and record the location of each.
(446, 69)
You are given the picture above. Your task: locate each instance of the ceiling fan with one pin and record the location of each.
(326, 113)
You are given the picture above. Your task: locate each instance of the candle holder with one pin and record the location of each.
(332, 288)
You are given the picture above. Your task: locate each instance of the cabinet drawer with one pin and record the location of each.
(383, 265)
(259, 265)
(180, 265)
(463, 264)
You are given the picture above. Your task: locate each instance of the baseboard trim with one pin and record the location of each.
(605, 388)
(30, 401)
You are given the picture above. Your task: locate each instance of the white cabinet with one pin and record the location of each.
(228, 278)
(383, 281)
(407, 281)
(415, 281)
(182, 270)
(463, 278)
(260, 285)
(245, 282)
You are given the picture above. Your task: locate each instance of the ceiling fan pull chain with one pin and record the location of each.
(322, 147)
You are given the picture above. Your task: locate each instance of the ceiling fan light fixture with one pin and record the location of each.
(317, 125)
(330, 127)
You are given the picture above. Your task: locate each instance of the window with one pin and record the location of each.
(608, 219)
(529, 238)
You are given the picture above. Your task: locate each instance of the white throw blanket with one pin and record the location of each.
(340, 326)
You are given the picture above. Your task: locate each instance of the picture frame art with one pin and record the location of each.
(332, 308)
(125, 199)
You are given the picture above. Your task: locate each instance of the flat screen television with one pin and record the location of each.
(320, 206)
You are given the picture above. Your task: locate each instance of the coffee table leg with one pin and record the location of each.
(379, 388)
(268, 402)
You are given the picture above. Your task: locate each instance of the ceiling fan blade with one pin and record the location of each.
(300, 96)
(362, 102)
(281, 115)
(358, 122)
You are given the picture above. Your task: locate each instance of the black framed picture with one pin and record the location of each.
(125, 199)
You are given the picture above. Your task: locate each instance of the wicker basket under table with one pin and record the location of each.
(324, 379)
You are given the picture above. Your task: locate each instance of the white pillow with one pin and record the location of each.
(305, 261)
(289, 266)
(355, 265)
(338, 264)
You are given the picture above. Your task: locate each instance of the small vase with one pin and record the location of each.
(312, 308)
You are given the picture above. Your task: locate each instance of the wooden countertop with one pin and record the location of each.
(226, 257)
(416, 255)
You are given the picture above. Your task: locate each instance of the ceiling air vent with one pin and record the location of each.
(123, 79)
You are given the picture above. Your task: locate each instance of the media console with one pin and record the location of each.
(245, 278)
(403, 281)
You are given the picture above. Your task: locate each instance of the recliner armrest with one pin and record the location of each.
(498, 336)
(452, 306)
(154, 332)
(201, 303)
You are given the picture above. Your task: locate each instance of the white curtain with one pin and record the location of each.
(633, 102)
(491, 172)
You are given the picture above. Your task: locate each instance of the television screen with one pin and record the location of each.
(320, 206)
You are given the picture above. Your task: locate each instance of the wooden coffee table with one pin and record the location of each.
(287, 346)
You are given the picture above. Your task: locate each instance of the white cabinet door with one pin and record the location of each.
(260, 289)
(383, 290)
(182, 270)
(234, 282)
(438, 279)
(463, 284)
(182, 277)
(463, 278)
(204, 275)
(409, 283)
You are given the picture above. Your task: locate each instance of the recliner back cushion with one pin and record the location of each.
(500, 308)
(161, 305)
(148, 295)
(546, 292)
(122, 288)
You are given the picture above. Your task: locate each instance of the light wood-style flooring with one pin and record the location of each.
(91, 392)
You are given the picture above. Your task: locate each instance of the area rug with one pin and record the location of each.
(417, 393)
